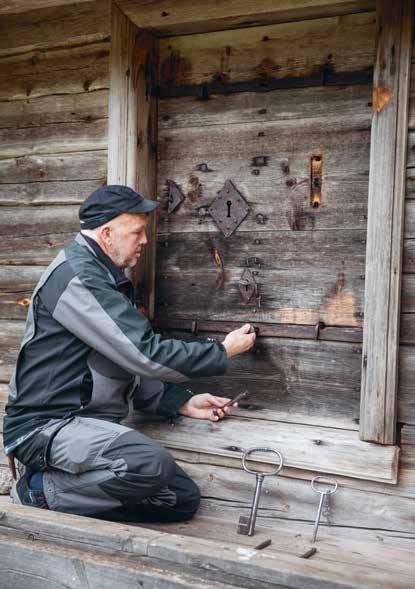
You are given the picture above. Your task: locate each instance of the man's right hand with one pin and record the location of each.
(240, 340)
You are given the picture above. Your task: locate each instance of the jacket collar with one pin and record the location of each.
(118, 274)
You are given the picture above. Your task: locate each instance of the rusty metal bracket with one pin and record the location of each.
(229, 209)
(174, 196)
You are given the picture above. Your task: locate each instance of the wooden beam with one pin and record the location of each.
(175, 17)
(18, 6)
(385, 221)
(56, 26)
(132, 135)
(323, 449)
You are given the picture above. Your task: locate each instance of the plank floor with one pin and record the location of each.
(363, 559)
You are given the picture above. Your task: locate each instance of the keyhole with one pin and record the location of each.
(229, 204)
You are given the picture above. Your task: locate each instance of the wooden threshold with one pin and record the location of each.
(306, 447)
(84, 546)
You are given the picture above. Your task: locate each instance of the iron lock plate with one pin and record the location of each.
(229, 209)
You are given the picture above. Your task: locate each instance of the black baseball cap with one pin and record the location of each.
(108, 202)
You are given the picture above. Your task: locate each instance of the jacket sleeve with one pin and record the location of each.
(154, 396)
(90, 306)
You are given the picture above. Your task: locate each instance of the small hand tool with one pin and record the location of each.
(231, 402)
(331, 487)
(248, 527)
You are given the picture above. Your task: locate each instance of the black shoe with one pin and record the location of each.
(22, 494)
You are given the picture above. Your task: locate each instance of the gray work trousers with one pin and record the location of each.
(106, 470)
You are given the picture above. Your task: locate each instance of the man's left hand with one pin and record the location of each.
(205, 406)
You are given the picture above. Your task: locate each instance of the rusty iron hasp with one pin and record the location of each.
(248, 286)
(174, 196)
(229, 209)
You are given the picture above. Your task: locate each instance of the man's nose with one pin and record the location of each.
(144, 240)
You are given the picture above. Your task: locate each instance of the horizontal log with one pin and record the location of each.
(36, 250)
(56, 26)
(76, 166)
(17, 6)
(331, 454)
(16, 286)
(55, 83)
(340, 45)
(48, 193)
(54, 138)
(55, 58)
(299, 103)
(38, 220)
(11, 333)
(180, 16)
(69, 108)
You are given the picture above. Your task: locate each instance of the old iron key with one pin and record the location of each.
(260, 475)
(329, 490)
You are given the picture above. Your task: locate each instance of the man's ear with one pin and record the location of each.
(106, 234)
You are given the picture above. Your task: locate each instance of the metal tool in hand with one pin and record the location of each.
(249, 528)
(329, 489)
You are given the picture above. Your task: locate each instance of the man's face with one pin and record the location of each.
(128, 236)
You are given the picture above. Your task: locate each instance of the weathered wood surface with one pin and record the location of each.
(35, 250)
(385, 218)
(132, 137)
(181, 17)
(345, 175)
(16, 286)
(228, 492)
(331, 453)
(281, 105)
(257, 569)
(42, 220)
(11, 333)
(69, 167)
(341, 44)
(35, 112)
(54, 138)
(48, 193)
(60, 568)
(57, 72)
(56, 26)
(329, 287)
(16, 6)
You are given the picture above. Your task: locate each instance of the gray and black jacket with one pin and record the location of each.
(87, 350)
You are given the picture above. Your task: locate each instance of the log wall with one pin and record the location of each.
(53, 140)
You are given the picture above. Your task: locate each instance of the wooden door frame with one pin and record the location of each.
(132, 159)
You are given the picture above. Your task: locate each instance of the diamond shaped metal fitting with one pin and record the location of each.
(174, 196)
(229, 209)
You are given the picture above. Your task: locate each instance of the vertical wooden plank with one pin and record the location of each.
(133, 127)
(385, 221)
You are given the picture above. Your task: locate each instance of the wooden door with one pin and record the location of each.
(262, 107)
